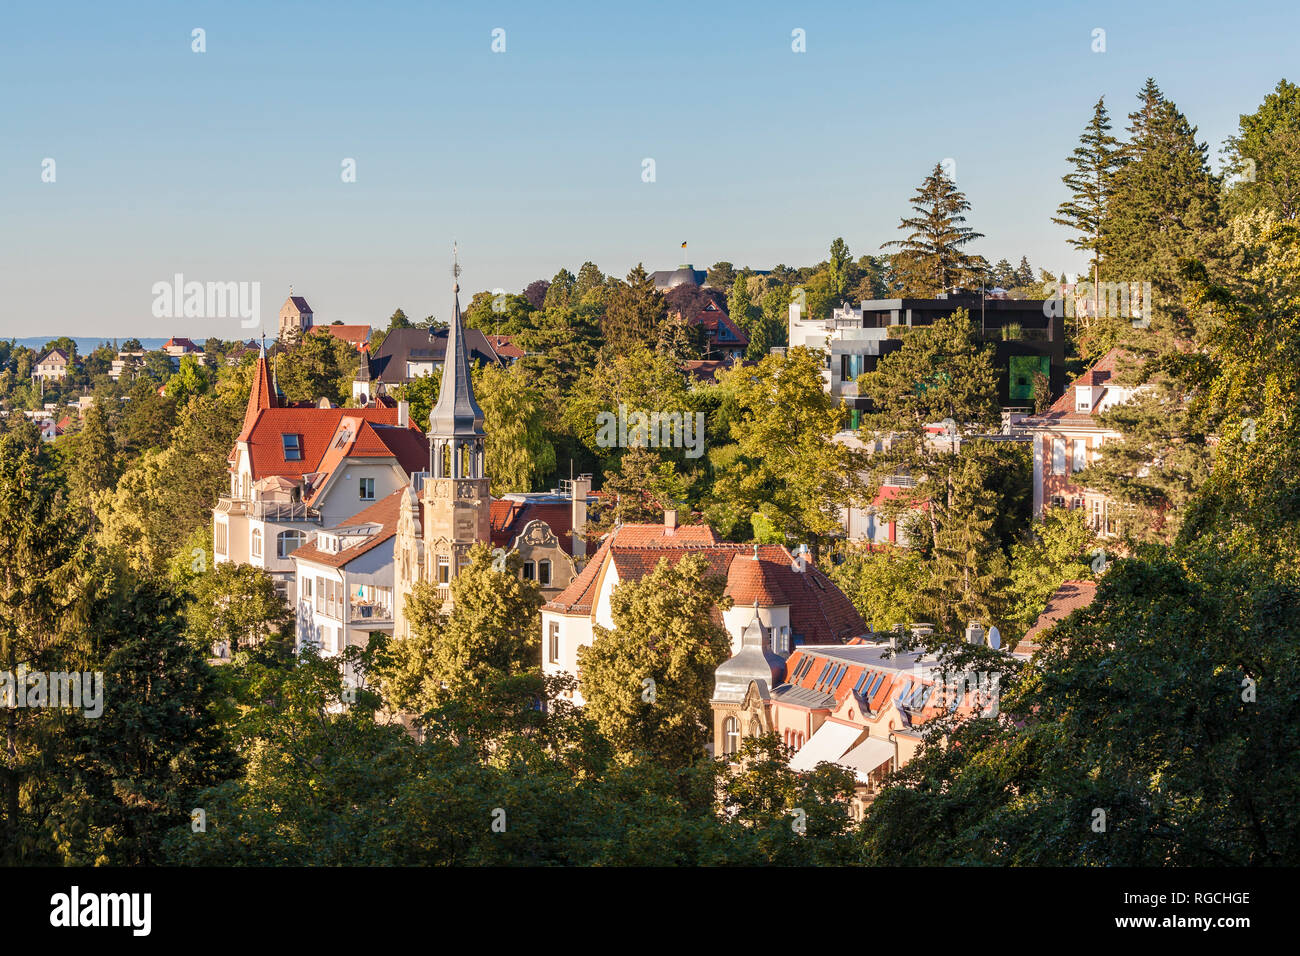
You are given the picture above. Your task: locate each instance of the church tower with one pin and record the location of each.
(455, 495)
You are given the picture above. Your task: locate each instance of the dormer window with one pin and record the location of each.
(292, 447)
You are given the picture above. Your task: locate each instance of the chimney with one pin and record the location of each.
(974, 633)
(670, 521)
(580, 488)
(403, 414)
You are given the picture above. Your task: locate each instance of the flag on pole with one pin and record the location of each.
(683, 245)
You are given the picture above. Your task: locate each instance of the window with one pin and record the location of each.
(367, 489)
(875, 685)
(544, 573)
(219, 538)
(553, 655)
(1079, 457)
(320, 594)
(257, 542)
(731, 736)
(1058, 501)
(822, 675)
(306, 589)
(287, 542)
(444, 570)
(783, 640)
(528, 571)
(1058, 456)
(292, 447)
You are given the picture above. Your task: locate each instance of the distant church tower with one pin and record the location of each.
(456, 501)
(295, 317)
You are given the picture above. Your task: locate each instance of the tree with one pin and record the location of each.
(126, 777)
(535, 293)
(884, 585)
(1264, 156)
(422, 393)
(493, 632)
(941, 371)
(1095, 160)
(41, 587)
(560, 347)
(680, 339)
(1057, 550)
(720, 276)
(967, 568)
(647, 682)
(740, 307)
(1163, 208)
(634, 311)
(93, 454)
(190, 379)
(236, 606)
(931, 259)
(789, 466)
(639, 492)
(559, 294)
(519, 454)
(589, 287)
(839, 265)
(318, 366)
(1135, 707)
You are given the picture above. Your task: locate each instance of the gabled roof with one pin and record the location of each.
(316, 429)
(384, 513)
(1067, 599)
(352, 334)
(505, 347)
(299, 305)
(181, 343)
(1062, 411)
(52, 353)
(358, 437)
(509, 518)
(714, 321)
(388, 364)
(820, 613)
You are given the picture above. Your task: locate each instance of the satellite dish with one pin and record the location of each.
(995, 638)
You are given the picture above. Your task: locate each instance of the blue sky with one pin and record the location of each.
(225, 165)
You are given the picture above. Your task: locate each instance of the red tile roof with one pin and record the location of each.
(353, 334)
(1062, 411)
(820, 613)
(262, 396)
(505, 347)
(384, 513)
(1069, 597)
(509, 518)
(356, 436)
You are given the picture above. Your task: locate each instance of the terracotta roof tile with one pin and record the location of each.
(1067, 599)
(384, 512)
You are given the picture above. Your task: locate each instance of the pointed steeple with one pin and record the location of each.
(262, 394)
(456, 414)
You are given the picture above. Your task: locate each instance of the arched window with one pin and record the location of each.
(257, 542)
(287, 542)
(544, 573)
(731, 736)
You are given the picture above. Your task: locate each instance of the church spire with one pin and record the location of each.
(262, 395)
(456, 414)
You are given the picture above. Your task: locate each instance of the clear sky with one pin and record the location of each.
(226, 165)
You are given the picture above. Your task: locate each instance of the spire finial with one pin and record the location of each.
(455, 267)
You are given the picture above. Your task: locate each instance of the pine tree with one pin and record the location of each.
(1163, 208)
(930, 259)
(1003, 275)
(633, 312)
(40, 590)
(839, 264)
(968, 568)
(1024, 273)
(1095, 160)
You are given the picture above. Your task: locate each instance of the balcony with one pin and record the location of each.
(282, 511)
(370, 614)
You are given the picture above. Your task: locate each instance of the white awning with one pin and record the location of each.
(867, 757)
(829, 743)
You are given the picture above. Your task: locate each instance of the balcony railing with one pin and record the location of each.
(269, 510)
